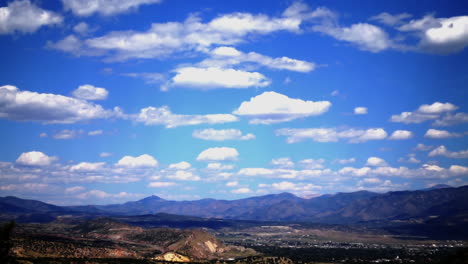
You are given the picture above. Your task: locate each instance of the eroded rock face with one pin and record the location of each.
(173, 257)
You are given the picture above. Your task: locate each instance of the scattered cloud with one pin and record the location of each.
(241, 191)
(365, 36)
(163, 116)
(391, 20)
(90, 92)
(422, 147)
(439, 35)
(183, 165)
(104, 7)
(282, 163)
(221, 134)
(95, 133)
(360, 110)
(161, 184)
(218, 154)
(376, 162)
(25, 17)
(424, 113)
(215, 77)
(105, 154)
(443, 151)
(272, 107)
(35, 158)
(142, 161)
(295, 135)
(439, 134)
(401, 135)
(227, 56)
(312, 164)
(48, 108)
(87, 166)
(83, 28)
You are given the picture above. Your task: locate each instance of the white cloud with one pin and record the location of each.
(346, 161)
(163, 116)
(219, 166)
(183, 175)
(67, 134)
(411, 159)
(438, 134)
(105, 154)
(391, 20)
(23, 16)
(104, 7)
(74, 189)
(218, 154)
(292, 187)
(312, 164)
(87, 166)
(282, 163)
(214, 77)
(401, 135)
(241, 191)
(163, 39)
(365, 36)
(459, 170)
(221, 134)
(35, 158)
(360, 110)
(440, 35)
(295, 135)
(451, 119)
(255, 171)
(424, 113)
(422, 147)
(48, 108)
(376, 162)
(90, 92)
(272, 107)
(183, 165)
(141, 161)
(104, 195)
(161, 184)
(83, 28)
(95, 132)
(232, 184)
(226, 56)
(443, 151)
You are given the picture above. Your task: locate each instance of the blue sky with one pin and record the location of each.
(105, 101)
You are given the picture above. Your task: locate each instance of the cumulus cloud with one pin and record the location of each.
(161, 184)
(241, 191)
(215, 77)
(35, 158)
(87, 166)
(422, 147)
(376, 162)
(23, 16)
(345, 161)
(48, 108)
(183, 175)
(451, 119)
(67, 134)
(312, 164)
(218, 154)
(83, 28)
(221, 134)
(272, 107)
(440, 35)
(391, 20)
(163, 116)
(365, 36)
(226, 56)
(104, 7)
(286, 186)
(295, 135)
(401, 135)
(443, 151)
(424, 113)
(163, 39)
(142, 161)
(219, 166)
(360, 110)
(90, 92)
(183, 165)
(439, 134)
(282, 163)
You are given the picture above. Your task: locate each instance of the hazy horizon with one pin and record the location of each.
(202, 99)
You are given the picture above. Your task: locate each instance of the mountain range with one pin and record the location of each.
(341, 208)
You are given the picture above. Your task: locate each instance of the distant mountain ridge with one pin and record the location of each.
(442, 202)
